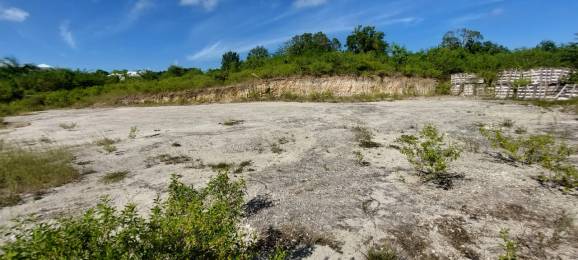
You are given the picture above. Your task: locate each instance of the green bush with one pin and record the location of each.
(190, 224)
(443, 88)
(428, 152)
(537, 149)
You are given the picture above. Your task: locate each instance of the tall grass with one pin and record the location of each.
(26, 171)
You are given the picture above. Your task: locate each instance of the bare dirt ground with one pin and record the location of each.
(304, 174)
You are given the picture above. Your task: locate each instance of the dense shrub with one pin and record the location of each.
(190, 224)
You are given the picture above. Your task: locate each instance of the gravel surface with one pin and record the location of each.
(304, 174)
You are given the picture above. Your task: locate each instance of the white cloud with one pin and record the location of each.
(208, 5)
(67, 35)
(308, 3)
(139, 8)
(13, 14)
(209, 52)
(44, 66)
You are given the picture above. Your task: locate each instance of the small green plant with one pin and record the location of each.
(384, 252)
(68, 126)
(428, 152)
(365, 137)
(107, 144)
(276, 148)
(190, 224)
(133, 132)
(509, 123)
(520, 130)
(241, 167)
(113, 177)
(360, 159)
(510, 247)
(232, 122)
(222, 166)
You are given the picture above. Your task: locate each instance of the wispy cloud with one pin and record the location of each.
(461, 20)
(208, 5)
(133, 14)
(209, 52)
(308, 3)
(215, 50)
(13, 14)
(139, 8)
(67, 35)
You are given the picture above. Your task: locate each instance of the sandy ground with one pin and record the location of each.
(313, 181)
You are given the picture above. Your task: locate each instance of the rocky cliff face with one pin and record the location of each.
(298, 86)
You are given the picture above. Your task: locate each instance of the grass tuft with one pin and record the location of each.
(27, 171)
(107, 144)
(68, 126)
(113, 177)
(365, 137)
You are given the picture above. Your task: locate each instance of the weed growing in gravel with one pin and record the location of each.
(222, 166)
(537, 149)
(364, 137)
(190, 224)
(360, 160)
(68, 126)
(384, 252)
(510, 247)
(509, 123)
(242, 166)
(132, 132)
(232, 122)
(107, 144)
(113, 177)
(428, 152)
(27, 171)
(276, 148)
(520, 130)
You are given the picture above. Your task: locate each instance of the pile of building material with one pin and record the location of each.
(467, 84)
(544, 83)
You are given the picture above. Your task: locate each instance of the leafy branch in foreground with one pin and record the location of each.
(428, 152)
(537, 149)
(190, 223)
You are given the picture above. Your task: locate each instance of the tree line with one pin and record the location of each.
(366, 52)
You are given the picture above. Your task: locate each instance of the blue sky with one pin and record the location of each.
(153, 34)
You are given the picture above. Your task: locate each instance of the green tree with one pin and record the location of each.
(257, 57)
(309, 43)
(547, 46)
(366, 39)
(463, 38)
(230, 61)
(399, 55)
(451, 41)
(175, 71)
